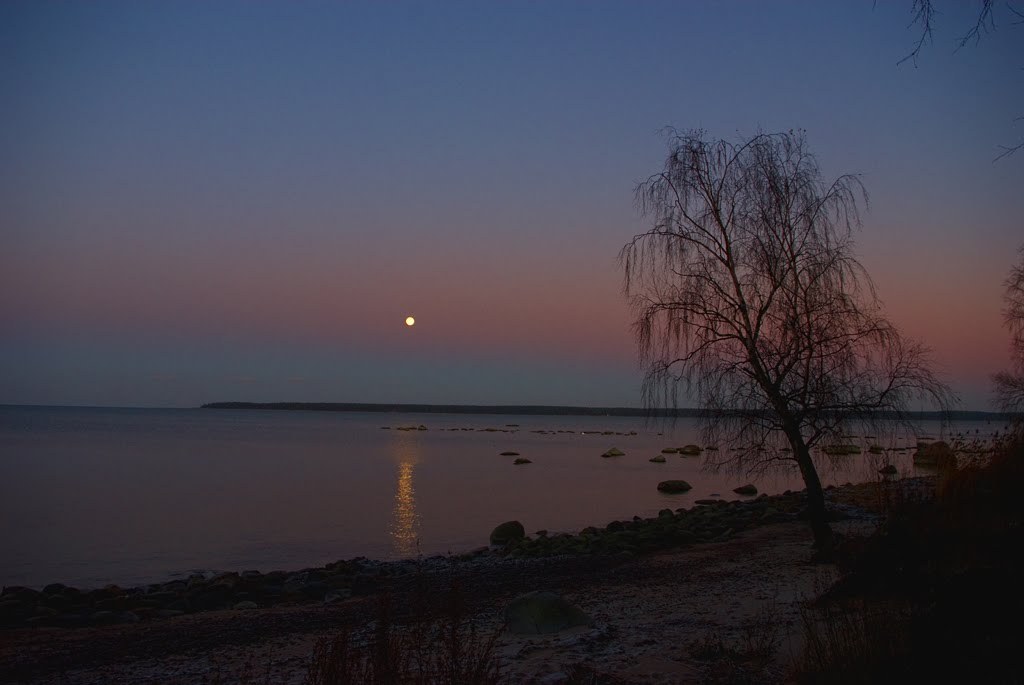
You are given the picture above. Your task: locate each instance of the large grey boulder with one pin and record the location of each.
(541, 613)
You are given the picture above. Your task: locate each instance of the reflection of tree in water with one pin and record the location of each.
(405, 520)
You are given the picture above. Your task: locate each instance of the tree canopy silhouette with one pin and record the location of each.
(748, 297)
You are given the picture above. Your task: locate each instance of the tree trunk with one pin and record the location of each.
(823, 538)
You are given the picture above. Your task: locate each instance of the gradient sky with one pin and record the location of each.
(243, 201)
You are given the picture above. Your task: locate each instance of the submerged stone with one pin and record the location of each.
(840, 450)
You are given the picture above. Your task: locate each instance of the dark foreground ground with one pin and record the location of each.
(924, 587)
(713, 594)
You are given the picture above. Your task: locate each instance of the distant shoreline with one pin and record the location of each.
(541, 410)
(516, 409)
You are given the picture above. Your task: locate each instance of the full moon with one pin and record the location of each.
(409, 321)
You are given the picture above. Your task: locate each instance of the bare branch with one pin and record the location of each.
(924, 15)
(1008, 150)
(982, 25)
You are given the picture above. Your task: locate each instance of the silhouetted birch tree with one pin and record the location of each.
(747, 297)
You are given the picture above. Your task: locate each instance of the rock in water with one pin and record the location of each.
(658, 459)
(521, 460)
(613, 452)
(747, 489)
(840, 450)
(510, 531)
(690, 451)
(541, 613)
(672, 486)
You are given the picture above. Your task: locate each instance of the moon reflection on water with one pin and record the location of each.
(405, 521)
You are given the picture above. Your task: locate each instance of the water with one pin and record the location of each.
(129, 496)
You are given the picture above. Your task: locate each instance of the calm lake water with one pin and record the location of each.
(129, 496)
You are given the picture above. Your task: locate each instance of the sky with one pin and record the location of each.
(212, 201)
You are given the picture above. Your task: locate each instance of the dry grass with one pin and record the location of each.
(742, 660)
(445, 651)
(935, 595)
(850, 645)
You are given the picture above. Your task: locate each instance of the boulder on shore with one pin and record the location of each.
(542, 613)
(505, 533)
(747, 489)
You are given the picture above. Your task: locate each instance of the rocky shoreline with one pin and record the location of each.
(58, 605)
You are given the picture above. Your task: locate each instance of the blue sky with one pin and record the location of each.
(214, 201)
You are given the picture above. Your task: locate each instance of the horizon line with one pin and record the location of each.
(455, 408)
(541, 409)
